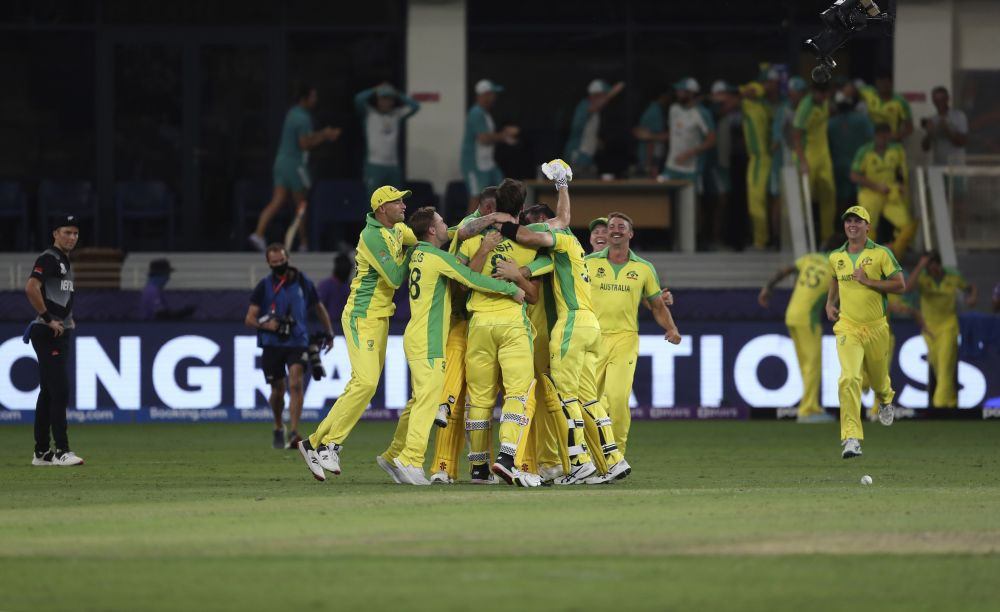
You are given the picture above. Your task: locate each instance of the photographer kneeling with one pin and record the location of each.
(278, 310)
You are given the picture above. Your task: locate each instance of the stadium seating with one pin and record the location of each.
(14, 210)
(144, 201)
(72, 197)
(423, 194)
(339, 202)
(250, 196)
(456, 202)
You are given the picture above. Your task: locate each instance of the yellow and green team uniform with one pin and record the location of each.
(862, 331)
(449, 440)
(547, 427)
(574, 352)
(424, 342)
(802, 317)
(895, 111)
(756, 131)
(888, 168)
(812, 117)
(381, 269)
(499, 342)
(937, 304)
(616, 290)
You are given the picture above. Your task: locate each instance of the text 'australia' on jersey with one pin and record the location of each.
(859, 304)
(506, 250)
(617, 290)
(381, 269)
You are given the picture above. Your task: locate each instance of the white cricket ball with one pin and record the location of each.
(866, 479)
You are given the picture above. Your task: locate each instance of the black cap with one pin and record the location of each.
(160, 267)
(65, 221)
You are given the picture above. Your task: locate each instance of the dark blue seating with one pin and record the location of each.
(423, 195)
(456, 202)
(14, 210)
(144, 201)
(338, 202)
(250, 196)
(68, 197)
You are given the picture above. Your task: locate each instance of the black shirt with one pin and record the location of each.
(52, 268)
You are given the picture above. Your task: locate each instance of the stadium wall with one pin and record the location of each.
(135, 372)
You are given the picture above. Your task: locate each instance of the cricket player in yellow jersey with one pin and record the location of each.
(864, 272)
(451, 410)
(574, 344)
(880, 170)
(937, 287)
(812, 150)
(499, 344)
(425, 337)
(756, 133)
(886, 106)
(381, 268)
(619, 281)
(802, 317)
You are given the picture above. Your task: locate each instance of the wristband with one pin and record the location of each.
(509, 230)
(45, 316)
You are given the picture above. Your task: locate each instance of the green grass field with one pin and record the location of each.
(727, 515)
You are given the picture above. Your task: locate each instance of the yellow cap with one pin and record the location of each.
(387, 193)
(858, 211)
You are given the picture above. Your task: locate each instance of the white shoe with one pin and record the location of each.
(43, 459)
(596, 479)
(312, 460)
(67, 458)
(410, 474)
(441, 477)
(619, 470)
(578, 474)
(886, 413)
(548, 473)
(852, 448)
(329, 457)
(388, 468)
(441, 420)
(481, 475)
(257, 242)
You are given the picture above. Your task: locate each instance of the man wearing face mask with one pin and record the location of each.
(278, 311)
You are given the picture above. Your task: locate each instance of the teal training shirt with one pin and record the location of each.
(298, 122)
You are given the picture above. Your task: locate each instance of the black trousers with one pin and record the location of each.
(53, 397)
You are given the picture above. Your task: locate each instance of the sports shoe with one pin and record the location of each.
(811, 419)
(548, 473)
(852, 448)
(504, 468)
(886, 413)
(619, 470)
(42, 459)
(293, 440)
(329, 457)
(388, 468)
(278, 439)
(66, 458)
(410, 474)
(480, 474)
(312, 460)
(441, 477)
(257, 242)
(577, 474)
(597, 479)
(441, 420)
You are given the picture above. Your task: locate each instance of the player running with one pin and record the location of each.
(381, 267)
(425, 338)
(864, 272)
